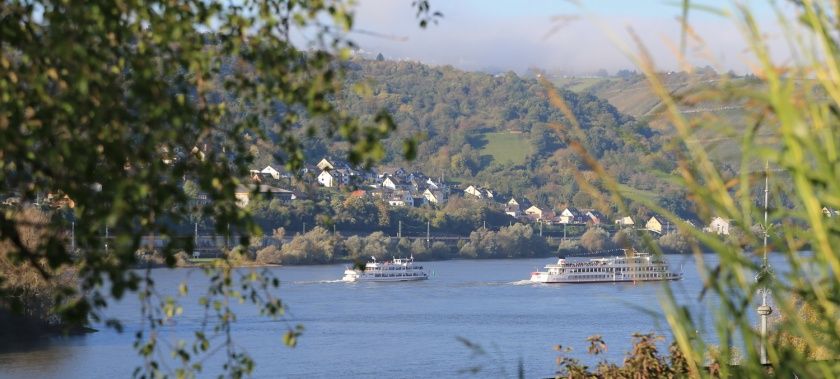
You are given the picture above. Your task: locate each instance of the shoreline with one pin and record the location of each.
(209, 261)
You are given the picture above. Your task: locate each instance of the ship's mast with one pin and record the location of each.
(764, 310)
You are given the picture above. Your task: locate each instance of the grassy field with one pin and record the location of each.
(506, 147)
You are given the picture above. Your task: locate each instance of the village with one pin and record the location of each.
(400, 188)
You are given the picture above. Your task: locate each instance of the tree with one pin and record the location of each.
(675, 243)
(379, 57)
(112, 103)
(31, 295)
(595, 239)
(627, 239)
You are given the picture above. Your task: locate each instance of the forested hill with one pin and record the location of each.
(456, 108)
(496, 131)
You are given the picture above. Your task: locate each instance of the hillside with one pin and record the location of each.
(501, 131)
(630, 93)
(699, 99)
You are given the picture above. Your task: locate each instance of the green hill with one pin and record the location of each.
(504, 147)
(500, 131)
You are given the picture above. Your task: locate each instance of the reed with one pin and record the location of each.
(790, 122)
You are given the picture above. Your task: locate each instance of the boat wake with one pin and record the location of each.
(318, 281)
(521, 282)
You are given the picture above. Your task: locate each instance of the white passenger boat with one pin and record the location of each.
(397, 270)
(632, 267)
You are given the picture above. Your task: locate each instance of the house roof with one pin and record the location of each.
(262, 188)
(573, 211)
(593, 213)
(394, 179)
(389, 170)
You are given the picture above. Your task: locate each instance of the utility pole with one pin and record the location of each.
(428, 234)
(541, 228)
(764, 310)
(195, 239)
(334, 233)
(304, 228)
(106, 239)
(485, 225)
(399, 230)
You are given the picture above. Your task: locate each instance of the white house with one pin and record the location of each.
(431, 184)
(329, 179)
(268, 170)
(401, 199)
(828, 212)
(512, 208)
(481, 193)
(569, 216)
(243, 194)
(391, 182)
(654, 225)
(537, 214)
(325, 165)
(433, 196)
(625, 221)
(719, 226)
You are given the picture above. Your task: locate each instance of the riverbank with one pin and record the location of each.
(16, 329)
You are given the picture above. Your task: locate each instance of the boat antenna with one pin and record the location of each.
(764, 310)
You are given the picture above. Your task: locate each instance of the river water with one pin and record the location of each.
(392, 329)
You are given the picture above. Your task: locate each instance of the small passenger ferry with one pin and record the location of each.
(397, 270)
(632, 267)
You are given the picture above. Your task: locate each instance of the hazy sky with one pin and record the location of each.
(517, 35)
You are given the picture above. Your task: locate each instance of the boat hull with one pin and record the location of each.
(363, 278)
(551, 279)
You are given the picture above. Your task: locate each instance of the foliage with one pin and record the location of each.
(676, 242)
(499, 131)
(269, 254)
(627, 239)
(29, 293)
(517, 240)
(643, 361)
(788, 130)
(808, 314)
(569, 247)
(316, 246)
(114, 103)
(595, 239)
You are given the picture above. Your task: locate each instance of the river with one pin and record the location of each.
(392, 329)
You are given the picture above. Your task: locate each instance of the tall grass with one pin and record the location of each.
(792, 123)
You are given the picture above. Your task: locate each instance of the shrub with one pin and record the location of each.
(595, 239)
(270, 255)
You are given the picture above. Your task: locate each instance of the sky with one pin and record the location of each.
(558, 35)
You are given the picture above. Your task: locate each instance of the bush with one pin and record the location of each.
(569, 247)
(627, 239)
(29, 294)
(675, 243)
(517, 241)
(595, 239)
(316, 246)
(269, 255)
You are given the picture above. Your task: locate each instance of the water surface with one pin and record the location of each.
(392, 329)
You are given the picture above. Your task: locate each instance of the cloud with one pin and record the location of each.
(477, 36)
